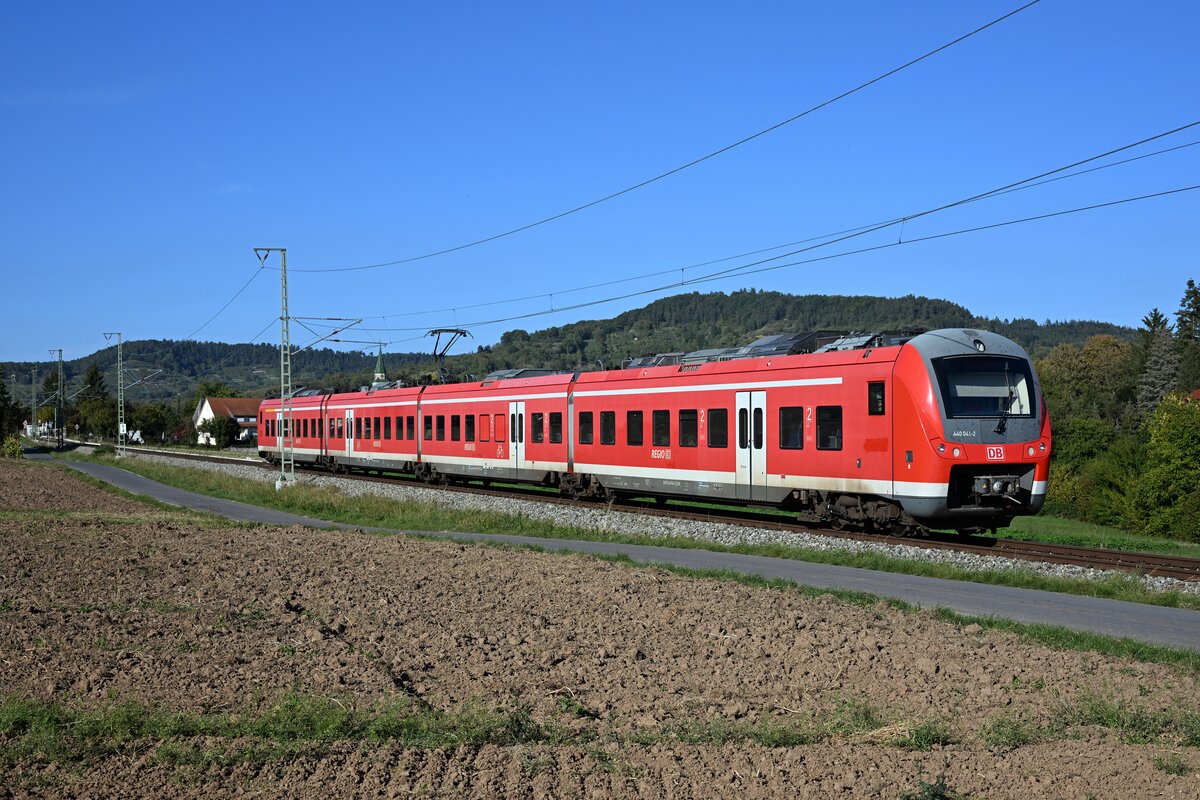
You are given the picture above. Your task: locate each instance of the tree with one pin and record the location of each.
(1161, 372)
(223, 430)
(94, 387)
(1187, 318)
(10, 413)
(1167, 494)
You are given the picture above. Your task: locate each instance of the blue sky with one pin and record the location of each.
(149, 147)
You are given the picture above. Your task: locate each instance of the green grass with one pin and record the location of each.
(1056, 530)
(1130, 723)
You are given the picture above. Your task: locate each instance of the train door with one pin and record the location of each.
(751, 445)
(516, 435)
(349, 433)
(279, 432)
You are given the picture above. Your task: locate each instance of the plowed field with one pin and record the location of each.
(607, 680)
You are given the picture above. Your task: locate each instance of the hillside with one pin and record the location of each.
(679, 323)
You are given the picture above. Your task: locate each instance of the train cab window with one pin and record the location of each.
(537, 425)
(829, 427)
(585, 427)
(758, 429)
(660, 428)
(718, 427)
(556, 427)
(689, 428)
(499, 429)
(633, 428)
(469, 427)
(387, 428)
(875, 405)
(358, 427)
(608, 427)
(441, 427)
(485, 427)
(791, 428)
(455, 427)
(428, 426)
(410, 431)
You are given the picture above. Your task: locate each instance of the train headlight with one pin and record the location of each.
(941, 449)
(956, 452)
(1042, 446)
(1030, 451)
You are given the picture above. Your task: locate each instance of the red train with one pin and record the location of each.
(946, 429)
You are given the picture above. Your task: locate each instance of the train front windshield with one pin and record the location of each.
(985, 386)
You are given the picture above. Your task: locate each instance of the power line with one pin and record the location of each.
(1040, 179)
(682, 167)
(724, 274)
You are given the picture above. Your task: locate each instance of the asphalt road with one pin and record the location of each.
(1153, 624)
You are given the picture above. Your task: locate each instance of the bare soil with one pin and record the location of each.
(112, 600)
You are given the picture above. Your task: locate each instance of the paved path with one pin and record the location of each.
(1154, 624)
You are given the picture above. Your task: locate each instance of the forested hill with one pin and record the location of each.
(679, 323)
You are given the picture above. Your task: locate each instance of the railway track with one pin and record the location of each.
(1185, 569)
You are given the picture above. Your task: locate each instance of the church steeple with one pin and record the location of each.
(380, 375)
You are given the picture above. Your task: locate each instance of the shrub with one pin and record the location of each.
(11, 448)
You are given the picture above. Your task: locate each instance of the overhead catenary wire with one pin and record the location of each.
(725, 275)
(1020, 186)
(682, 167)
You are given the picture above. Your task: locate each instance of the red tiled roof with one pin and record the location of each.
(235, 406)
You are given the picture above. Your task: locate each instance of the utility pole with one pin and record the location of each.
(287, 460)
(59, 422)
(120, 395)
(32, 400)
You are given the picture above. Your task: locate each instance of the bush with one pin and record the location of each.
(11, 448)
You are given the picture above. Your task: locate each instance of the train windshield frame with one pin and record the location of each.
(986, 387)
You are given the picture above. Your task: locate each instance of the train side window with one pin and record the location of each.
(341, 431)
(367, 428)
(332, 427)
(378, 428)
(791, 428)
(485, 427)
(537, 424)
(469, 427)
(358, 427)
(689, 428)
(608, 427)
(743, 428)
(585, 427)
(875, 405)
(758, 429)
(399, 428)
(633, 428)
(555, 427)
(660, 428)
(718, 427)
(387, 427)
(499, 430)
(428, 425)
(410, 430)
(829, 427)
(455, 427)
(304, 428)
(441, 427)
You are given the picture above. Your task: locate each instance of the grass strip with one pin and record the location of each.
(374, 511)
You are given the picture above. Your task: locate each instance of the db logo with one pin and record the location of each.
(995, 454)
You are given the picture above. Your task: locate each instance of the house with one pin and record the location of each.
(243, 410)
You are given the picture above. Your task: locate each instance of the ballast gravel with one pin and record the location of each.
(600, 517)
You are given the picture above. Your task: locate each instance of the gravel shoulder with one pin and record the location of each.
(115, 601)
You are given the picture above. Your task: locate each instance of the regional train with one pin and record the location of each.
(946, 429)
